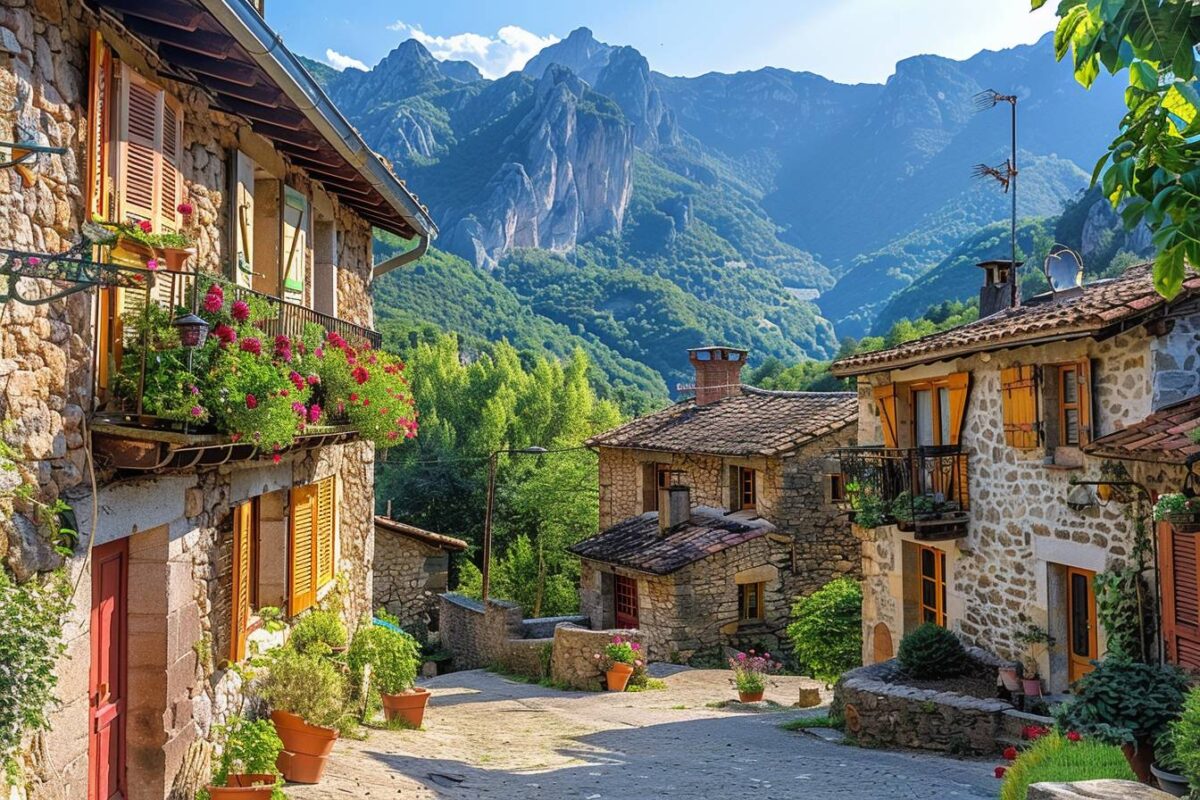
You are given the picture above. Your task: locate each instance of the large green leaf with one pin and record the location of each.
(1169, 270)
(1143, 75)
(1182, 102)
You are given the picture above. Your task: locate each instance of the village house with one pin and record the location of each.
(189, 116)
(411, 571)
(973, 483)
(713, 514)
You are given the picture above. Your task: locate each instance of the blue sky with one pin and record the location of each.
(846, 40)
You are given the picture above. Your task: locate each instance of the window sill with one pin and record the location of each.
(1064, 467)
(752, 626)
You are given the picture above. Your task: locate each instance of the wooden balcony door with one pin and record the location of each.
(107, 684)
(1081, 622)
(625, 600)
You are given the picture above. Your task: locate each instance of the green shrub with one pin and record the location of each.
(247, 747)
(932, 652)
(1185, 740)
(307, 685)
(394, 658)
(1053, 758)
(318, 633)
(826, 630)
(1124, 702)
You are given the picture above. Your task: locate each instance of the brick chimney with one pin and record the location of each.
(1000, 289)
(674, 508)
(718, 372)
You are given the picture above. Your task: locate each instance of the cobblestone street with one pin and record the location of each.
(489, 737)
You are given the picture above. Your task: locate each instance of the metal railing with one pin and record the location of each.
(912, 487)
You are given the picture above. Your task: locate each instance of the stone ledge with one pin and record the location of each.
(1095, 790)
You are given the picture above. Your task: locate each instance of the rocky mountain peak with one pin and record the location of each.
(626, 79)
(579, 52)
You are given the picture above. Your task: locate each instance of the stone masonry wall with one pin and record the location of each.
(401, 580)
(574, 663)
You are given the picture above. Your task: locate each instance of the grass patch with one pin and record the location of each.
(765, 706)
(651, 685)
(1052, 758)
(680, 707)
(803, 723)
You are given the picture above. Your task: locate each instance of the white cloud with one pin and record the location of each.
(495, 55)
(339, 62)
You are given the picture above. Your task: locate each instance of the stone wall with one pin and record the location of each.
(574, 663)
(1176, 358)
(1022, 532)
(402, 580)
(1095, 790)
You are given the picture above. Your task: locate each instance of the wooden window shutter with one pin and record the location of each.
(1019, 387)
(171, 183)
(302, 585)
(242, 217)
(1180, 571)
(1084, 382)
(150, 142)
(295, 244)
(243, 543)
(100, 75)
(649, 487)
(885, 398)
(326, 529)
(959, 385)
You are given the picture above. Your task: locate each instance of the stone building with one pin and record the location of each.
(158, 107)
(974, 449)
(714, 515)
(412, 567)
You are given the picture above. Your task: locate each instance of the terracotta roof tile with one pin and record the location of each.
(753, 422)
(1097, 306)
(420, 534)
(1164, 436)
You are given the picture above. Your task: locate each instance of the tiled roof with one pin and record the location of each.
(638, 544)
(1096, 307)
(753, 422)
(1163, 436)
(413, 532)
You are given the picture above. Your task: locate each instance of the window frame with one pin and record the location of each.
(738, 491)
(1064, 406)
(938, 579)
(751, 594)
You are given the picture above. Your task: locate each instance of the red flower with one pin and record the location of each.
(213, 301)
(1073, 736)
(1010, 753)
(251, 402)
(999, 771)
(185, 208)
(314, 413)
(225, 334)
(252, 345)
(297, 380)
(360, 375)
(275, 458)
(240, 310)
(314, 379)
(145, 226)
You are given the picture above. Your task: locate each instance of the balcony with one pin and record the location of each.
(921, 490)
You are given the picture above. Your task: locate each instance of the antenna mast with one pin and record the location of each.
(1005, 174)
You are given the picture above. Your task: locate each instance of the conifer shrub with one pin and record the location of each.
(932, 652)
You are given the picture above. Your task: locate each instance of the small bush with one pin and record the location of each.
(394, 658)
(826, 630)
(306, 685)
(1185, 740)
(318, 632)
(932, 652)
(247, 747)
(1124, 702)
(1052, 758)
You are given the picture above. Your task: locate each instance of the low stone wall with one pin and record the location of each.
(1095, 790)
(880, 712)
(543, 627)
(574, 664)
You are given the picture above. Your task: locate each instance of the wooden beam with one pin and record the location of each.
(286, 117)
(290, 136)
(173, 13)
(319, 167)
(202, 42)
(258, 93)
(227, 69)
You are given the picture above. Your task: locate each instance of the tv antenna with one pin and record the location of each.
(1005, 174)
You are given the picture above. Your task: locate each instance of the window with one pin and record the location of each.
(149, 186)
(625, 601)
(931, 414)
(933, 411)
(295, 244)
(1067, 397)
(933, 585)
(312, 537)
(835, 487)
(743, 485)
(1068, 405)
(750, 602)
(245, 575)
(655, 478)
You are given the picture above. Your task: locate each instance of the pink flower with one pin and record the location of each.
(299, 409)
(297, 380)
(152, 264)
(33, 261)
(240, 310)
(275, 458)
(213, 302)
(635, 645)
(185, 208)
(226, 334)
(314, 413)
(252, 345)
(197, 411)
(314, 379)
(596, 656)
(251, 402)
(637, 662)
(319, 352)
(145, 226)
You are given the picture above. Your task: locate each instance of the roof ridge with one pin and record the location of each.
(794, 393)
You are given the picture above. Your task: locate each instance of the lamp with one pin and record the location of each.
(193, 331)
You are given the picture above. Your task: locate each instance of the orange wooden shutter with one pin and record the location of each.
(171, 183)
(150, 134)
(302, 587)
(1019, 387)
(1084, 382)
(1180, 571)
(243, 538)
(325, 530)
(885, 398)
(99, 133)
(959, 383)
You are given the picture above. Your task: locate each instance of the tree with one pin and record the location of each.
(1152, 168)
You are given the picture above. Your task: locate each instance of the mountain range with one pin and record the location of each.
(636, 214)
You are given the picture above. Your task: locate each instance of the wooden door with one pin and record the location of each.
(625, 600)
(1081, 622)
(107, 685)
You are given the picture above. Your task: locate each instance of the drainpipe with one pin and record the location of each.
(395, 262)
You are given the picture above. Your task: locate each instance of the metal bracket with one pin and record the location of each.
(23, 152)
(75, 267)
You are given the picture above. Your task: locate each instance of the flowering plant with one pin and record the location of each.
(750, 670)
(369, 387)
(621, 651)
(143, 233)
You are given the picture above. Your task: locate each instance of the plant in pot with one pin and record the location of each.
(138, 241)
(620, 657)
(307, 695)
(1166, 769)
(246, 768)
(907, 509)
(1177, 508)
(869, 509)
(393, 658)
(1037, 642)
(750, 672)
(1182, 763)
(1127, 704)
(319, 632)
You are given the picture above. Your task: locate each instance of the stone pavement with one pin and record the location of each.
(489, 737)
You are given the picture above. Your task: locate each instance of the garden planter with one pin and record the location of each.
(1008, 677)
(300, 737)
(408, 706)
(262, 792)
(1140, 757)
(618, 676)
(1184, 523)
(749, 697)
(301, 768)
(1031, 687)
(1171, 783)
(173, 258)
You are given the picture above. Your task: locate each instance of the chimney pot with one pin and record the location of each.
(1000, 289)
(718, 372)
(674, 508)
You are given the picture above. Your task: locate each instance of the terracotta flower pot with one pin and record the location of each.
(749, 697)
(300, 767)
(1140, 757)
(618, 676)
(1008, 677)
(250, 779)
(244, 786)
(409, 706)
(1031, 687)
(300, 737)
(173, 258)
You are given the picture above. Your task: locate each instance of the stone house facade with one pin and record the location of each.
(411, 569)
(714, 515)
(995, 425)
(241, 136)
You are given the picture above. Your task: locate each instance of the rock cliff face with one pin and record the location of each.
(626, 79)
(579, 52)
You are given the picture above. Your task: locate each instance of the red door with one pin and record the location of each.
(625, 598)
(106, 734)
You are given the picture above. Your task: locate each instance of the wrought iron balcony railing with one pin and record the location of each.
(921, 489)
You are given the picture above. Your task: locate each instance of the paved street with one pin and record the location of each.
(489, 737)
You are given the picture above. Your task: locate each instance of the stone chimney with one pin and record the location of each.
(1000, 289)
(718, 372)
(674, 508)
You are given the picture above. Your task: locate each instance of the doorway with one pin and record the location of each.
(107, 681)
(625, 601)
(1081, 622)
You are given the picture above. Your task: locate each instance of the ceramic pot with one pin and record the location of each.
(250, 779)
(300, 737)
(173, 258)
(1008, 677)
(300, 767)
(409, 706)
(1170, 782)
(749, 697)
(242, 792)
(618, 676)
(1140, 757)
(1031, 687)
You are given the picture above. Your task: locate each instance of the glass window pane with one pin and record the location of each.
(929, 594)
(923, 416)
(1071, 429)
(944, 414)
(1080, 618)
(929, 616)
(927, 564)
(1070, 391)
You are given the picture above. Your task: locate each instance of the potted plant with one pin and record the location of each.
(620, 657)
(319, 632)
(868, 508)
(1166, 769)
(246, 768)
(393, 657)
(1010, 677)
(137, 241)
(306, 694)
(1177, 509)
(750, 674)
(1128, 704)
(907, 509)
(1184, 759)
(1037, 641)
